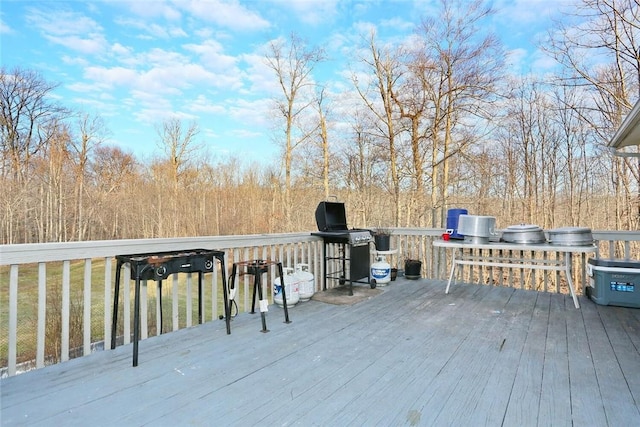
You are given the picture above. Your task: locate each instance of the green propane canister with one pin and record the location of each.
(614, 282)
(381, 271)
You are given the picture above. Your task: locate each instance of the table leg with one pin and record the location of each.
(567, 259)
(453, 269)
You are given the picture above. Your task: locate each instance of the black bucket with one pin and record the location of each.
(383, 242)
(412, 268)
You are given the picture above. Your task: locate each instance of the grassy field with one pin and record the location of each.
(28, 306)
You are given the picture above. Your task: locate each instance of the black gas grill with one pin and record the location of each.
(346, 256)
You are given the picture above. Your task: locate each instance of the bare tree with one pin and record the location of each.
(415, 106)
(91, 132)
(27, 117)
(293, 64)
(116, 178)
(179, 146)
(602, 54)
(388, 70)
(468, 65)
(324, 141)
(26, 114)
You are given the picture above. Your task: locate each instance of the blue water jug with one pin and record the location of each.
(452, 222)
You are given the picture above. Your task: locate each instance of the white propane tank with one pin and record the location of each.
(305, 282)
(381, 271)
(291, 288)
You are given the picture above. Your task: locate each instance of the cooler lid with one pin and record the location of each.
(614, 262)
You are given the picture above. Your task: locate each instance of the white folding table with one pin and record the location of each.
(460, 258)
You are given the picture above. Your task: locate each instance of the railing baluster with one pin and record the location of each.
(13, 318)
(189, 292)
(66, 298)
(175, 308)
(42, 313)
(107, 301)
(86, 318)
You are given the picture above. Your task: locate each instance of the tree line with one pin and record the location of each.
(433, 123)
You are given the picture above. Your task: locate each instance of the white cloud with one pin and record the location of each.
(397, 23)
(72, 30)
(111, 77)
(364, 28)
(148, 9)
(213, 57)
(516, 58)
(202, 104)
(262, 79)
(5, 28)
(225, 13)
(153, 30)
(313, 12)
(255, 113)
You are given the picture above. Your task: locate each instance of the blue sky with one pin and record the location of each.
(138, 62)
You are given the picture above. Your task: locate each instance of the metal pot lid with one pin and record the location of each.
(520, 228)
(570, 230)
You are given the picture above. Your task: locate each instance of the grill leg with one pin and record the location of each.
(114, 319)
(136, 322)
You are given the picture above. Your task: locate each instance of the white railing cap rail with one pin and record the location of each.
(51, 252)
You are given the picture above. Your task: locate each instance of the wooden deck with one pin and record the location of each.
(409, 356)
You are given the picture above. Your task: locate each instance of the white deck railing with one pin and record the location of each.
(29, 273)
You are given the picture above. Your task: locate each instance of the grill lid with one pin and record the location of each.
(331, 216)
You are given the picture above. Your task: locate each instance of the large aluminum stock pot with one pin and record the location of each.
(477, 228)
(571, 236)
(524, 234)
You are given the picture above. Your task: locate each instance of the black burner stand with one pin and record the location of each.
(158, 266)
(257, 268)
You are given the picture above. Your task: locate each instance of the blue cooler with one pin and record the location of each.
(614, 282)
(452, 222)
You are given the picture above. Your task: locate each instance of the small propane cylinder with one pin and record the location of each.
(305, 282)
(291, 288)
(381, 271)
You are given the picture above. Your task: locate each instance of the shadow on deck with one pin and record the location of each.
(410, 355)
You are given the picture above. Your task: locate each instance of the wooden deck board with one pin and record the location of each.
(586, 400)
(555, 371)
(492, 404)
(412, 355)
